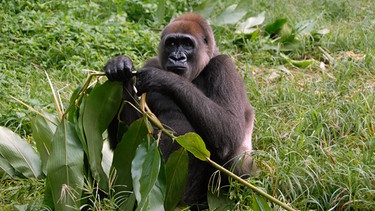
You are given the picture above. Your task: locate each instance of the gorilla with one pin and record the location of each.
(191, 87)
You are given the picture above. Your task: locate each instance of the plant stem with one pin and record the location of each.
(247, 184)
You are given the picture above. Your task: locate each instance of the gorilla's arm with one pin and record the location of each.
(215, 103)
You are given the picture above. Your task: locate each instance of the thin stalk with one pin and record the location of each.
(252, 187)
(34, 110)
(55, 97)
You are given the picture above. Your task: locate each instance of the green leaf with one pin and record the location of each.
(301, 63)
(75, 117)
(107, 158)
(20, 155)
(205, 8)
(48, 196)
(160, 12)
(6, 168)
(230, 16)
(274, 28)
(78, 124)
(219, 202)
(129, 204)
(193, 143)
(102, 104)
(176, 176)
(43, 131)
(287, 34)
(100, 107)
(249, 26)
(124, 155)
(148, 182)
(260, 204)
(233, 14)
(305, 27)
(65, 167)
(72, 114)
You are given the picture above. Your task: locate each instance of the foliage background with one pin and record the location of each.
(314, 135)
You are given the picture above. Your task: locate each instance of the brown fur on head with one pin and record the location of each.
(194, 25)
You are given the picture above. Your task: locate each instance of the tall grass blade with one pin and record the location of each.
(55, 97)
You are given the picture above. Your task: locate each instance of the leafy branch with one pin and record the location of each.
(193, 143)
(70, 149)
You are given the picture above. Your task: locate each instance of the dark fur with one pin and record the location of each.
(192, 89)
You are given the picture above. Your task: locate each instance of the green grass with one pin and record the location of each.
(314, 134)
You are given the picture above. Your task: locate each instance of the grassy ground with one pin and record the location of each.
(315, 126)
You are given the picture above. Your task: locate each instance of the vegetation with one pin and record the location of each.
(308, 66)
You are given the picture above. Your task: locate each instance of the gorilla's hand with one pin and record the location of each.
(119, 69)
(154, 79)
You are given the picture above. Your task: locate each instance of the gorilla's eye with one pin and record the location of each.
(170, 42)
(188, 43)
(205, 41)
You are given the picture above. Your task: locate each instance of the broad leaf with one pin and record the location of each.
(249, 26)
(20, 155)
(74, 116)
(65, 167)
(193, 143)
(107, 158)
(205, 8)
(274, 28)
(6, 168)
(305, 27)
(100, 107)
(176, 170)
(148, 181)
(43, 131)
(229, 16)
(129, 203)
(48, 196)
(124, 155)
(233, 14)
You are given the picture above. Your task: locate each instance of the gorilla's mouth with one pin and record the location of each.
(177, 69)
